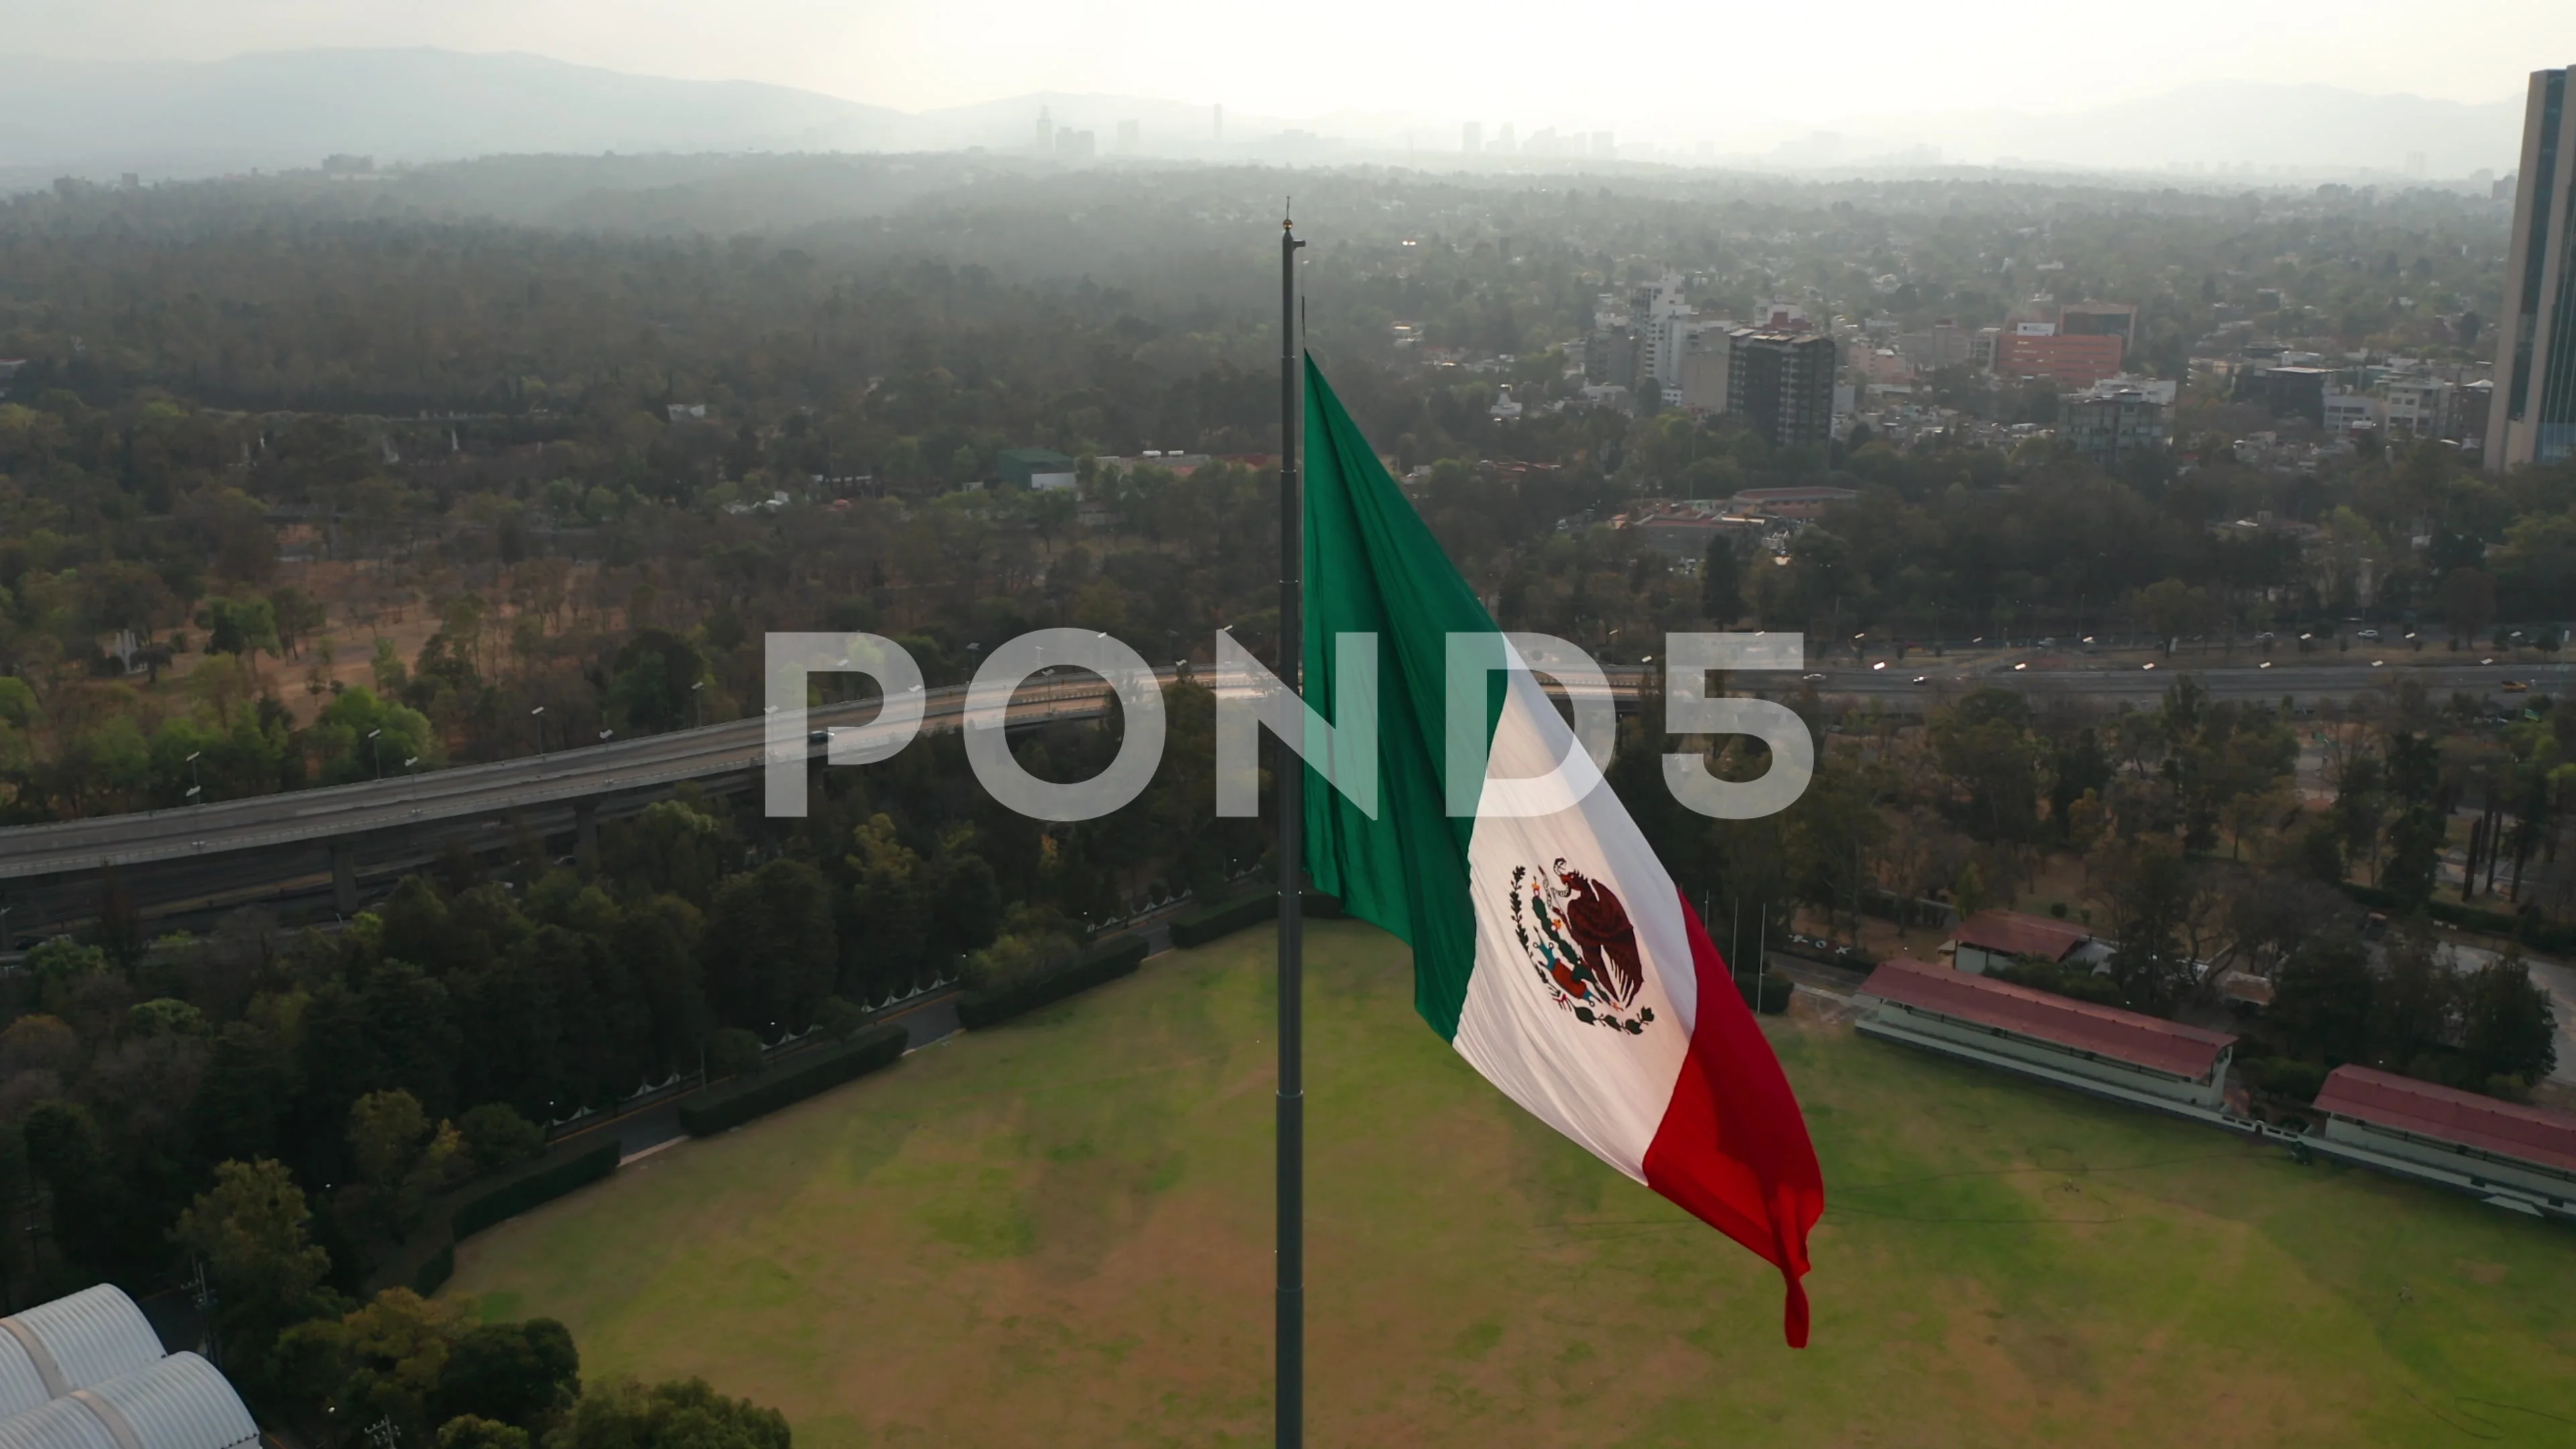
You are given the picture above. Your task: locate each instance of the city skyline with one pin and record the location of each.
(1497, 62)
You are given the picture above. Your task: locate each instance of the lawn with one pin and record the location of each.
(1058, 1233)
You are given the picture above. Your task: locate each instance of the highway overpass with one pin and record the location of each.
(312, 844)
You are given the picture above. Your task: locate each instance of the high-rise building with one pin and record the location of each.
(2109, 425)
(1782, 385)
(2533, 418)
(1471, 138)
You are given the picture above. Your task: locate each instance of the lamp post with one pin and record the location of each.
(376, 746)
(196, 787)
(539, 715)
(698, 702)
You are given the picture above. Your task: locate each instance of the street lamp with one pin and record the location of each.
(196, 787)
(697, 702)
(375, 745)
(539, 715)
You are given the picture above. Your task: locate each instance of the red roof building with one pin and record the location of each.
(2078, 1043)
(1993, 938)
(2442, 1126)
(2073, 362)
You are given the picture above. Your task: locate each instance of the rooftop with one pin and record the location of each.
(2104, 1031)
(2403, 1104)
(2016, 934)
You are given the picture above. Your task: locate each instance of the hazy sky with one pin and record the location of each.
(1539, 63)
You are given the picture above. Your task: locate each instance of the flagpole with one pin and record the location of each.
(1290, 1368)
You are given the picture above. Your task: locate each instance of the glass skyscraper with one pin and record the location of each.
(2534, 416)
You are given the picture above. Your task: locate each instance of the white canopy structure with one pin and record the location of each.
(87, 1372)
(71, 1343)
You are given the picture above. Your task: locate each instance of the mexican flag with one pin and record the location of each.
(1550, 946)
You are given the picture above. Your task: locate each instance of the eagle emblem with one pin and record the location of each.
(1579, 940)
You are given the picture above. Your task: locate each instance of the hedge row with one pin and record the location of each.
(2530, 927)
(1767, 992)
(1212, 923)
(543, 1186)
(433, 1275)
(805, 1074)
(1202, 926)
(979, 1009)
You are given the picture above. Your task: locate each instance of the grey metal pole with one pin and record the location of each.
(1291, 1329)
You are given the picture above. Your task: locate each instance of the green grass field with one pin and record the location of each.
(1058, 1232)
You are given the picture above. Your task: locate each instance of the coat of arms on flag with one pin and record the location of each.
(1578, 937)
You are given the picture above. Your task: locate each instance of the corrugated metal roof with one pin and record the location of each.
(2445, 1114)
(182, 1402)
(93, 1336)
(2016, 934)
(2106, 1031)
(21, 1386)
(56, 1424)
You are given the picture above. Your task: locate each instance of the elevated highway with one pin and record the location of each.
(310, 844)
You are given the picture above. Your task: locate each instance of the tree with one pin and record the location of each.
(2506, 1026)
(382, 1360)
(466, 1431)
(249, 1231)
(2322, 1000)
(400, 1158)
(673, 846)
(623, 1414)
(89, 1205)
(732, 1051)
(497, 1135)
(2173, 608)
(1721, 582)
(891, 908)
(2468, 603)
(362, 735)
(652, 688)
(769, 947)
(1991, 765)
(239, 626)
(2416, 1002)
(2414, 855)
(296, 615)
(522, 1374)
(2152, 898)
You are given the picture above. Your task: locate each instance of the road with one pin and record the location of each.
(471, 790)
(657, 762)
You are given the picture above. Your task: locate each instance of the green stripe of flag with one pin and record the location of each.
(1373, 567)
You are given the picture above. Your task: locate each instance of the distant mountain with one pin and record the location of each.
(291, 108)
(2216, 124)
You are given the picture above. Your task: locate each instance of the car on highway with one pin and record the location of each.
(1813, 678)
(2370, 634)
(1923, 679)
(2513, 686)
